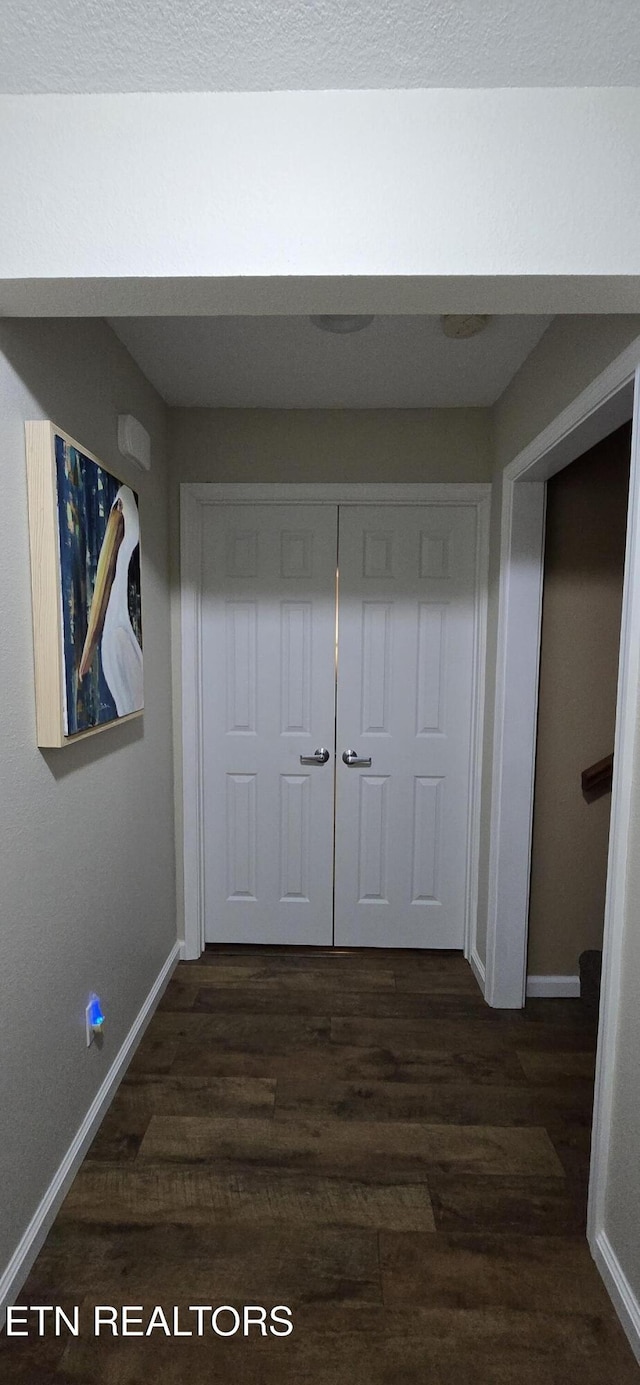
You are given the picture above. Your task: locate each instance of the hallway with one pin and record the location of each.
(359, 1137)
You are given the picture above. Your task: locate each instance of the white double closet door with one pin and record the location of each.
(337, 629)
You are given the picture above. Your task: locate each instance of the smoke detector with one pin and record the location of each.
(342, 323)
(460, 326)
(134, 441)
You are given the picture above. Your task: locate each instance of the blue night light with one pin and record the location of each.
(96, 1016)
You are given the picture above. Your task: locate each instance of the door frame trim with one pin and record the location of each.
(195, 497)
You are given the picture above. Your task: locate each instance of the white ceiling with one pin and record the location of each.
(262, 45)
(287, 363)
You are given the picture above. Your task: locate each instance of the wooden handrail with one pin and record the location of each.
(597, 778)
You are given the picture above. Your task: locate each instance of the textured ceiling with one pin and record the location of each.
(286, 362)
(262, 45)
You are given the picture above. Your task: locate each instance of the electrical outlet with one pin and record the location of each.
(94, 1019)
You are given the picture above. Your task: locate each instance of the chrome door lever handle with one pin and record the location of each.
(319, 757)
(352, 758)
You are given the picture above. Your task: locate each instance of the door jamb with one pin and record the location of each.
(194, 498)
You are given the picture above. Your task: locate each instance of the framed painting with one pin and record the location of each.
(84, 533)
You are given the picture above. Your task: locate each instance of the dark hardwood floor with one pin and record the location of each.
(359, 1138)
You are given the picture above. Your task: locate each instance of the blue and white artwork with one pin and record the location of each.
(99, 531)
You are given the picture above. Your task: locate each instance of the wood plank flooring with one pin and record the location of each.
(358, 1137)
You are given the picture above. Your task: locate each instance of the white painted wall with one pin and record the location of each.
(86, 833)
(505, 182)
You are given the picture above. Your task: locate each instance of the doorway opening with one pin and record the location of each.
(586, 513)
(273, 778)
(605, 406)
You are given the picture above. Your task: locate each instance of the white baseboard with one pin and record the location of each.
(478, 968)
(619, 1289)
(554, 987)
(15, 1274)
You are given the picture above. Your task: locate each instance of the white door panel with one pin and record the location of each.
(405, 686)
(268, 657)
(406, 631)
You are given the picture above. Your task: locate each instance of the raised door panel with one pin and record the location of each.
(427, 839)
(242, 836)
(295, 846)
(431, 655)
(241, 659)
(373, 838)
(375, 672)
(295, 667)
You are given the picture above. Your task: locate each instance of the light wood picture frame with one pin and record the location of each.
(84, 537)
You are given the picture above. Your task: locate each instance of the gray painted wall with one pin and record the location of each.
(330, 444)
(86, 833)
